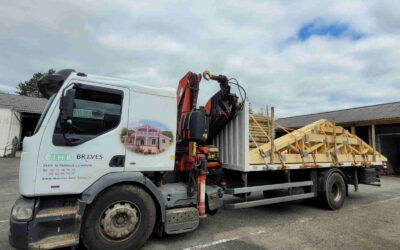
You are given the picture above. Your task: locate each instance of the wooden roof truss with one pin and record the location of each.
(318, 142)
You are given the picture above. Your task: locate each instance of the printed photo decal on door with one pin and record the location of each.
(147, 137)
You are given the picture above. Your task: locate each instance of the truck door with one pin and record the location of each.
(70, 161)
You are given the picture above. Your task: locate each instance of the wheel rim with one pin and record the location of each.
(119, 221)
(336, 191)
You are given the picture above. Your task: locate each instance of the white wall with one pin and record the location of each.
(9, 127)
(233, 142)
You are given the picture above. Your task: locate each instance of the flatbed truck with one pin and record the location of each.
(112, 162)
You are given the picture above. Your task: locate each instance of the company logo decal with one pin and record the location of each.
(58, 157)
(87, 157)
(147, 137)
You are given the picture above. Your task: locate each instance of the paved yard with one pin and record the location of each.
(370, 219)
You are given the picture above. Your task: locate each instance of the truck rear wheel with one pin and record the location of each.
(122, 217)
(335, 191)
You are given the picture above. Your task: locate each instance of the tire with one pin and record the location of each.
(335, 191)
(209, 211)
(212, 212)
(122, 217)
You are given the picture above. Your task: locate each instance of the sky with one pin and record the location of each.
(300, 56)
(156, 124)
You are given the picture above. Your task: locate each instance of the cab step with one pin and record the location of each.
(62, 240)
(56, 213)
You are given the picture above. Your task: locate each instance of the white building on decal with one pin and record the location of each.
(148, 139)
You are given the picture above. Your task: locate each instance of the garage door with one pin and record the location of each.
(390, 147)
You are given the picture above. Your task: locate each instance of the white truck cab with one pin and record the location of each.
(106, 118)
(112, 131)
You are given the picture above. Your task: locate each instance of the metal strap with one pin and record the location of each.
(259, 150)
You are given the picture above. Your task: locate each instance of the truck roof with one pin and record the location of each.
(160, 91)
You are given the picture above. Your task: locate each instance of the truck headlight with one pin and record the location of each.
(23, 209)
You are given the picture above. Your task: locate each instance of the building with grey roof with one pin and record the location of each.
(18, 117)
(384, 113)
(23, 104)
(379, 125)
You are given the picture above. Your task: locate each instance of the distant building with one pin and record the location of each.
(378, 125)
(148, 139)
(18, 117)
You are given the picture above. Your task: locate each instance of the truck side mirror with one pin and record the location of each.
(67, 106)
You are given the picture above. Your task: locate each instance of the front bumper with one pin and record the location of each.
(18, 234)
(53, 225)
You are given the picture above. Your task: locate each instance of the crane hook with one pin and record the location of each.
(207, 75)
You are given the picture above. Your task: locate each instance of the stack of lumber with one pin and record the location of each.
(318, 142)
(259, 130)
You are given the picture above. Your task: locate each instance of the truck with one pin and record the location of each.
(112, 162)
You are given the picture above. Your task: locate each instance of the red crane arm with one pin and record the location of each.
(187, 93)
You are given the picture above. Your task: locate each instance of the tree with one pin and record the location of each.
(168, 134)
(126, 132)
(30, 87)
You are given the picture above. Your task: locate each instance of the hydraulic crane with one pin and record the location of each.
(196, 128)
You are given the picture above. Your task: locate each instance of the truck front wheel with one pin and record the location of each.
(122, 217)
(335, 191)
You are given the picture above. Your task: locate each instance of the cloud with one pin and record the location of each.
(141, 43)
(301, 57)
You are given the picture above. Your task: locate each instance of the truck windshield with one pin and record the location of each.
(46, 108)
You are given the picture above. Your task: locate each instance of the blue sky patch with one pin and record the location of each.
(320, 28)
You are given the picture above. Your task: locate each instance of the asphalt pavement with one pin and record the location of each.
(369, 219)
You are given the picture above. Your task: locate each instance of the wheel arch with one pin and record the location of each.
(323, 176)
(133, 178)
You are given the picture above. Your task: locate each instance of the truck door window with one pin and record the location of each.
(95, 112)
